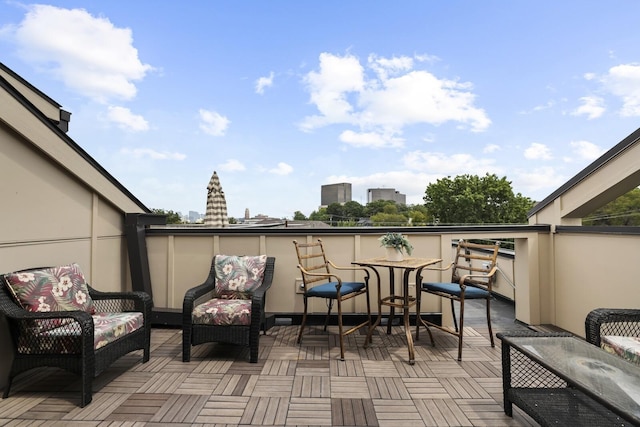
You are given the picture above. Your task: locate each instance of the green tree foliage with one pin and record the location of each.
(470, 199)
(299, 216)
(319, 215)
(172, 217)
(625, 211)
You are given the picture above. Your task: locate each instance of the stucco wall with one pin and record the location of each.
(50, 217)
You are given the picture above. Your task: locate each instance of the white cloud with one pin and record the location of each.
(624, 81)
(126, 120)
(537, 180)
(282, 169)
(370, 139)
(213, 123)
(264, 82)
(592, 107)
(455, 164)
(88, 54)
(586, 150)
(153, 154)
(396, 97)
(537, 151)
(232, 165)
(491, 148)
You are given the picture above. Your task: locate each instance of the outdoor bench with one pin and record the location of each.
(55, 319)
(616, 330)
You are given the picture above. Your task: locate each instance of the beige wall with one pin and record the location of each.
(594, 270)
(51, 218)
(181, 261)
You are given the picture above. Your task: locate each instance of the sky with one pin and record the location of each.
(281, 97)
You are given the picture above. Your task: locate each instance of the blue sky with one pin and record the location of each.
(281, 97)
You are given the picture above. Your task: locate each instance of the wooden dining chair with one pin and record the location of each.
(472, 276)
(320, 281)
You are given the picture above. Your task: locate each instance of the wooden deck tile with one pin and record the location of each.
(290, 385)
(353, 412)
(309, 411)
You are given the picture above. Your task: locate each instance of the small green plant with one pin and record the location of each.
(397, 241)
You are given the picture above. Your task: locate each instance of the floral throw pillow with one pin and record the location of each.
(238, 276)
(51, 289)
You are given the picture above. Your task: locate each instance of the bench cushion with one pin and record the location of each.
(60, 288)
(625, 347)
(108, 327)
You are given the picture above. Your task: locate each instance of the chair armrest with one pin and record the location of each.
(611, 321)
(431, 267)
(114, 302)
(197, 294)
(352, 268)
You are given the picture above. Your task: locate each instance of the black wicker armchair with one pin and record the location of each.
(204, 319)
(65, 339)
(611, 321)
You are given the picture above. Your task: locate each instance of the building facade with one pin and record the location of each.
(335, 193)
(374, 194)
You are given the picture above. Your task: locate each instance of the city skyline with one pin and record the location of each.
(281, 98)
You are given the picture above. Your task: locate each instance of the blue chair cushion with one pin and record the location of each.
(328, 290)
(471, 292)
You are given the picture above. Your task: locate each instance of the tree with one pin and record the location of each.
(172, 217)
(625, 210)
(470, 199)
(299, 216)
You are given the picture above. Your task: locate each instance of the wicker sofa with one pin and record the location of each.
(616, 330)
(83, 335)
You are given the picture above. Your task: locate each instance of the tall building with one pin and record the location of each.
(335, 193)
(374, 194)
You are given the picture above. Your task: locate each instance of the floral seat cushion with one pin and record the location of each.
(223, 312)
(625, 347)
(108, 327)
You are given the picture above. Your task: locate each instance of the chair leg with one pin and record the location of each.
(489, 321)
(304, 321)
(461, 330)
(85, 389)
(453, 313)
(186, 344)
(326, 319)
(419, 320)
(340, 328)
(7, 387)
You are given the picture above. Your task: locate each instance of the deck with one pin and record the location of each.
(304, 385)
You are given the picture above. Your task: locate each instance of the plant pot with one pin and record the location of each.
(394, 254)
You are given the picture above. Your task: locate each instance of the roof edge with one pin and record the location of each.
(67, 139)
(615, 151)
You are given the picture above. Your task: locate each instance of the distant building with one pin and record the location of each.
(195, 216)
(335, 193)
(374, 194)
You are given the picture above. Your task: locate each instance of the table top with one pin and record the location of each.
(408, 263)
(608, 378)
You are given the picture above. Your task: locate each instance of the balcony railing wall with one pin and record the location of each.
(180, 258)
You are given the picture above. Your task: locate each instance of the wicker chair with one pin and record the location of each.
(472, 275)
(611, 321)
(320, 281)
(201, 324)
(65, 339)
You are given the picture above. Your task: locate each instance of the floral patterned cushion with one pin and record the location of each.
(108, 327)
(225, 312)
(625, 347)
(238, 276)
(51, 289)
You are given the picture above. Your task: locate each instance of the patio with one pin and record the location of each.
(290, 385)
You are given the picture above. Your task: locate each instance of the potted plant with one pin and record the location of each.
(395, 243)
